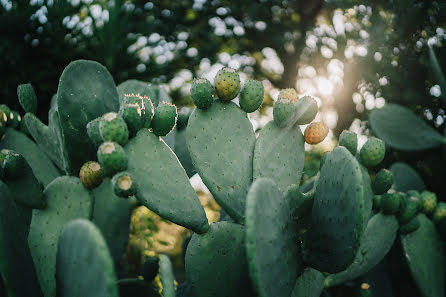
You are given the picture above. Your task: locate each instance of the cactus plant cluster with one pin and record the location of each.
(64, 223)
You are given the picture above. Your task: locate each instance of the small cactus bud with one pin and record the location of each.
(165, 119)
(372, 152)
(132, 115)
(439, 213)
(349, 140)
(377, 202)
(306, 110)
(390, 202)
(315, 133)
(410, 227)
(93, 132)
(201, 92)
(383, 181)
(91, 174)
(113, 128)
(227, 84)
(123, 185)
(13, 164)
(284, 112)
(112, 158)
(408, 209)
(251, 96)
(7, 114)
(428, 202)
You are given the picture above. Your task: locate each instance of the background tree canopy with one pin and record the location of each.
(352, 55)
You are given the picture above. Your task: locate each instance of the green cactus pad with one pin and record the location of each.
(84, 265)
(124, 185)
(251, 96)
(372, 152)
(227, 84)
(16, 265)
(43, 168)
(166, 277)
(27, 98)
(201, 92)
(26, 189)
(376, 242)
(271, 234)
(133, 86)
(279, 155)
(306, 110)
(112, 127)
(401, 129)
(182, 152)
(86, 91)
(223, 136)
(150, 161)
(67, 199)
(112, 158)
(390, 202)
(91, 174)
(405, 178)
(428, 202)
(410, 226)
(337, 215)
(165, 119)
(424, 253)
(383, 181)
(349, 140)
(284, 113)
(309, 284)
(183, 117)
(223, 247)
(111, 214)
(368, 196)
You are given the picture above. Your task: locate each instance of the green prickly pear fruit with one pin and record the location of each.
(390, 202)
(123, 184)
(113, 128)
(132, 114)
(12, 165)
(410, 226)
(150, 268)
(183, 117)
(408, 209)
(14, 120)
(439, 213)
(165, 119)
(428, 202)
(349, 140)
(372, 152)
(93, 132)
(227, 84)
(27, 98)
(315, 133)
(251, 96)
(91, 174)
(112, 158)
(284, 112)
(306, 110)
(377, 202)
(201, 92)
(416, 197)
(383, 181)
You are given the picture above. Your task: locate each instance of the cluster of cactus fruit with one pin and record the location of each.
(64, 224)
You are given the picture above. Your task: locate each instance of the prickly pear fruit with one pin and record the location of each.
(227, 84)
(439, 213)
(91, 174)
(145, 106)
(12, 165)
(7, 113)
(390, 202)
(183, 117)
(93, 132)
(383, 181)
(416, 197)
(315, 133)
(251, 96)
(123, 184)
(284, 112)
(112, 158)
(27, 98)
(408, 209)
(201, 92)
(132, 113)
(306, 110)
(372, 152)
(288, 94)
(428, 202)
(349, 140)
(377, 202)
(113, 128)
(410, 226)
(165, 119)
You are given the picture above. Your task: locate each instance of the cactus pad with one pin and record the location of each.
(309, 284)
(166, 277)
(223, 247)
(66, 199)
(337, 215)
(84, 265)
(424, 253)
(182, 152)
(133, 86)
(405, 178)
(27, 98)
(150, 161)
(279, 155)
(271, 234)
(223, 136)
